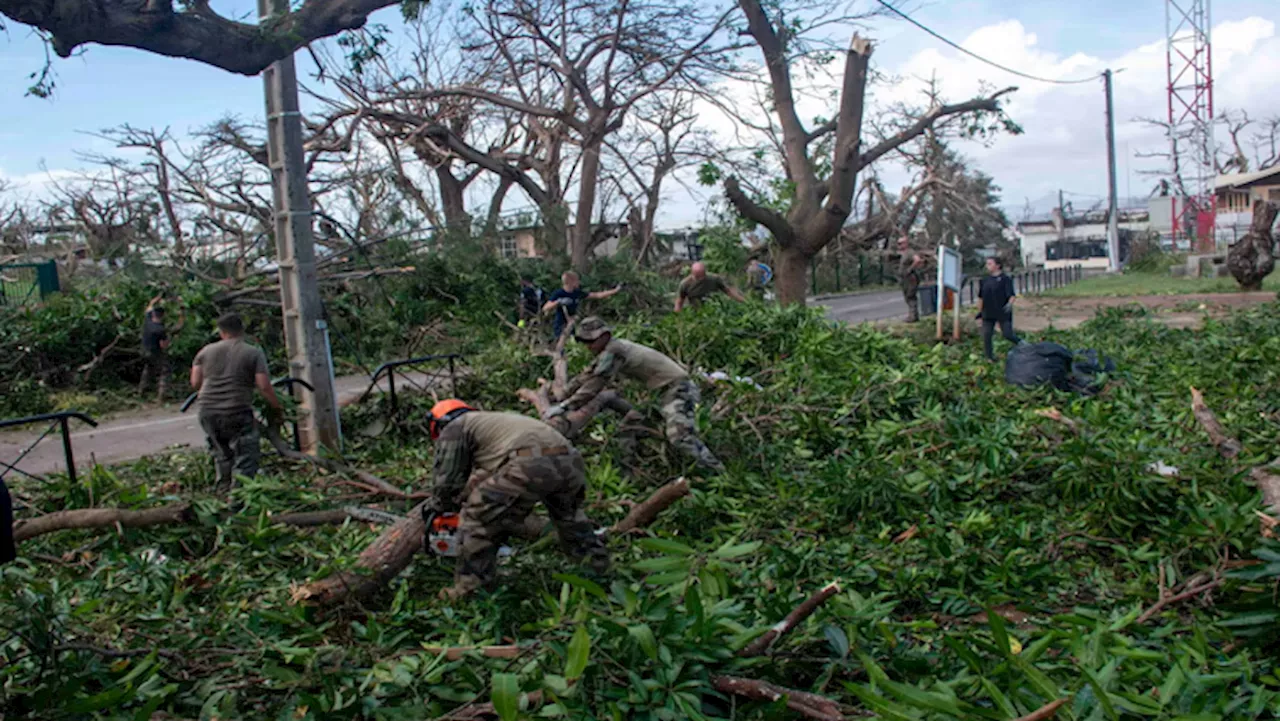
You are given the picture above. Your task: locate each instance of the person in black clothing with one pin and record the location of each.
(529, 304)
(7, 550)
(565, 300)
(155, 349)
(995, 305)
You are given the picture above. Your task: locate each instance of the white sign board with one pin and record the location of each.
(949, 269)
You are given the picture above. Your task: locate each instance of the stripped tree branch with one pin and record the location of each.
(793, 619)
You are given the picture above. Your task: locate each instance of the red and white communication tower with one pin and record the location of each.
(1190, 63)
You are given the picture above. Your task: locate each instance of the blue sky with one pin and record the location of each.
(106, 87)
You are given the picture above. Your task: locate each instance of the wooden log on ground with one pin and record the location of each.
(102, 518)
(1045, 712)
(382, 561)
(793, 619)
(644, 513)
(809, 705)
(1226, 445)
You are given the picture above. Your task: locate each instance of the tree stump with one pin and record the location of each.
(1252, 258)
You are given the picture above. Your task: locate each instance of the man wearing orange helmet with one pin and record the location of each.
(528, 462)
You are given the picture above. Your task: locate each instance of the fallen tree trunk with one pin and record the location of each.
(793, 619)
(809, 705)
(382, 561)
(644, 513)
(392, 552)
(102, 518)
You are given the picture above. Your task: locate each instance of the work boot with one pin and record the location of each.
(453, 593)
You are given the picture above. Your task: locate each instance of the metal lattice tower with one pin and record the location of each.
(1190, 74)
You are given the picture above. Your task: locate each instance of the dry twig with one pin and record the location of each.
(793, 619)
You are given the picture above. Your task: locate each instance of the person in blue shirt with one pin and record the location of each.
(565, 300)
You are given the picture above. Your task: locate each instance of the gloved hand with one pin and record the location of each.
(553, 411)
(520, 324)
(274, 416)
(978, 316)
(1008, 307)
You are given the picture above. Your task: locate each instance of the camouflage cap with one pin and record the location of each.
(589, 329)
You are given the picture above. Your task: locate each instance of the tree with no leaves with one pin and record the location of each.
(193, 31)
(821, 205)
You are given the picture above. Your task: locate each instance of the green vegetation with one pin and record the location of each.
(909, 473)
(1153, 283)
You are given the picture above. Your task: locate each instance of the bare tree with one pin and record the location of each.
(663, 138)
(821, 205)
(193, 31)
(1266, 143)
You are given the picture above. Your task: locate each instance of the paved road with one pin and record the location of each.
(866, 307)
(149, 432)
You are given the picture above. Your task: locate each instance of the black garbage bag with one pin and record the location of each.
(1035, 364)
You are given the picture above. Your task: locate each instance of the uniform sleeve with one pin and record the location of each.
(199, 360)
(683, 290)
(260, 363)
(1008, 281)
(588, 384)
(452, 465)
(721, 285)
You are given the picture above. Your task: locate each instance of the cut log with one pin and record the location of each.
(102, 518)
(1045, 712)
(382, 561)
(1251, 258)
(644, 513)
(809, 705)
(1227, 446)
(793, 619)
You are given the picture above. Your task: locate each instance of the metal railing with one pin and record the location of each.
(1026, 282)
(389, 368)
(60, 420)
(289, 381)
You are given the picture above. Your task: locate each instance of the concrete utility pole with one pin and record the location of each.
(305, 333)
(1113, 206)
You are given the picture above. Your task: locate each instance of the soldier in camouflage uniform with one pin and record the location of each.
(528, 463)
(615, 357)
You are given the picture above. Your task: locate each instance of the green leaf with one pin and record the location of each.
(1100, 693)
(999, 699)
(666, 563)
(667, 546)
(729, 552)
(590, 587)
(506, 695)
(838, 640)
(998, 633)
(578, 653)
(965, 653)
(644, 636)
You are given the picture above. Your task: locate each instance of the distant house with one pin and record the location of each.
(522, 241)
(1076, 238)
(1235, 195)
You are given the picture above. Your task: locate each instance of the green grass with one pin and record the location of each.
(1154, 284)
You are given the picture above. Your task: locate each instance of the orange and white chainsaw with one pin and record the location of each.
(442, 537)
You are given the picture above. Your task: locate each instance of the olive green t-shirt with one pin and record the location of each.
(493, 436)
(697, 290)
(641, 363)
(229, 368)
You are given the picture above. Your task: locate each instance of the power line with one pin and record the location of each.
(976, 56)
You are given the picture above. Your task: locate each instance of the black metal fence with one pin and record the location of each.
(838, 274)
(390, 369)
(1025, 283)
(60, 420)
(288, 381)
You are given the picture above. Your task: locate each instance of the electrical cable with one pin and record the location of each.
(978, 57)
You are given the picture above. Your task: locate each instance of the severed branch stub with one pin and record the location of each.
(1226, 445)
(1045, 712)
(102, 518)
(793, 619)
(809, 705)
(644, 513)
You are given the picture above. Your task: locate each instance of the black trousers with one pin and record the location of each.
(1006, 329)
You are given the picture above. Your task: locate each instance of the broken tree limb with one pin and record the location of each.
(1267, 479)
(793, 619)
(1226, 445)
(368, 480)
(1045, 712)
(382, 561)
(485, 710)
(102, 518)
(337, 515)
(1169, 600)
(453, 653)
(644, 513)
(809, 705)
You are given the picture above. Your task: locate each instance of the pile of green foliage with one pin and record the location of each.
(911, 474)
(449, 303)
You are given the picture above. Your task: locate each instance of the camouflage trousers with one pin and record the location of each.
(679, 406)
(155, 365)
(911, 294)
(234, 442)
(497, 507)
(571, 423)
